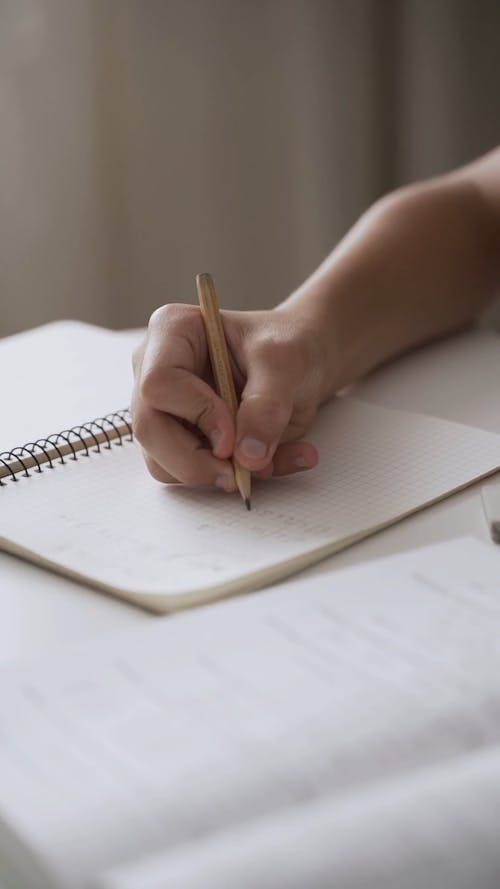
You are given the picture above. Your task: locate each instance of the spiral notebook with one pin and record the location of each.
(81, 502)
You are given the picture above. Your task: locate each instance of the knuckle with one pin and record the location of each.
(172, 315)
(276, 347)
(161, 316)
(272, 413)
(205, 414)
(153, 382)
(267, 349)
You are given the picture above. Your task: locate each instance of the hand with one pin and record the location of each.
(188, 433)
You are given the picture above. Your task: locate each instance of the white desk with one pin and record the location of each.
(458, 380)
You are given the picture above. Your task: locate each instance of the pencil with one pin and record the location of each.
(221, 367)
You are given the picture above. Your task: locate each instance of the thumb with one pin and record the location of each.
(263, 415)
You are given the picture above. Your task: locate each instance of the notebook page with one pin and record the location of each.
(438, 828)
(61, 375)
(203, 721)
(103, 518)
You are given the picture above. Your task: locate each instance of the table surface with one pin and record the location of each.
(456, 380)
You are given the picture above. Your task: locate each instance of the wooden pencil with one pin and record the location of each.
(219, 358)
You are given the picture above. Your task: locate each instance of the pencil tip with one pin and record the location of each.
(247, 503)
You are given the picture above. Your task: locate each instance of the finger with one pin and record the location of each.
(157, 471)
(296, 456)
(181, 393)
(263, 474)
(289, 458)
(262, 417)
(179, 452)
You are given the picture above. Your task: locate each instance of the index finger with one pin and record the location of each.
(170, 376)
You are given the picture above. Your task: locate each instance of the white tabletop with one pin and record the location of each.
(457, 380)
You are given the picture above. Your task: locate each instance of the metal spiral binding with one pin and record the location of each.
(102, 432)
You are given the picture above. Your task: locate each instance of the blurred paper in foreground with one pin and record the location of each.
(341, 731)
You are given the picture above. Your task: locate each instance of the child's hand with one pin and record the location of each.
(187, 431)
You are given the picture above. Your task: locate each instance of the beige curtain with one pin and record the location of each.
(142, 141)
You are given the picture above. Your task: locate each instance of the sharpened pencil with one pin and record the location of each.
(219, 358)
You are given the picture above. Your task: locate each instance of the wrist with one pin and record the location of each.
(320, 310)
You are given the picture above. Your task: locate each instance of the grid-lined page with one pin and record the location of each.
(103, 518)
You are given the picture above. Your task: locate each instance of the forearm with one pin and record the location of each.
(420, 263)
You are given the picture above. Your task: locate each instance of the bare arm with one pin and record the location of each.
(420, 263)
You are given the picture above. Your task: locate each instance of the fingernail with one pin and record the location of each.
(253, 448)
(225, 482)
(301, 463)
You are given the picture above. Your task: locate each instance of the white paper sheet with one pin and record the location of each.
(61, 375)
(210, 719)
(437, 829)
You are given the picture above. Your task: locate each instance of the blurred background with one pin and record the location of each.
(142, 141)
